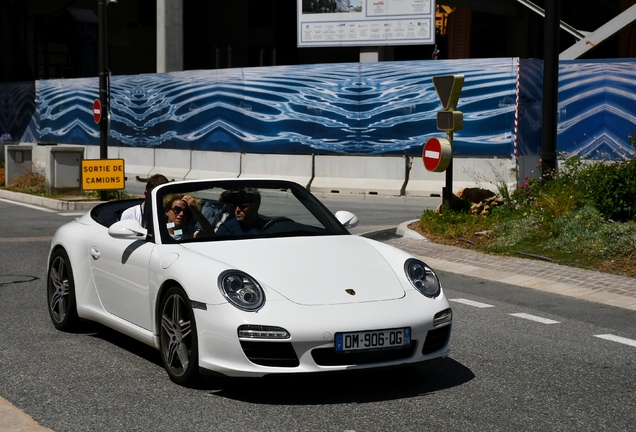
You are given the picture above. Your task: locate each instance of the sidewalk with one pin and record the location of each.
(612, 290)
(14, 420)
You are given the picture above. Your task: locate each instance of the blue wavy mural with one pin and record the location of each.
(17, 109)
(354, 108)
(597, 110)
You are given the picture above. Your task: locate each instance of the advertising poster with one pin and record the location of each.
(323, 23)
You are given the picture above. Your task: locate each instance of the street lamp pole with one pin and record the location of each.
(104, 87)
(550, 88)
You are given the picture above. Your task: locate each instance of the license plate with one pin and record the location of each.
(373, 340)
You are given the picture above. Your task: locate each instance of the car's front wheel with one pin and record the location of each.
(60, 292)
(178, 338)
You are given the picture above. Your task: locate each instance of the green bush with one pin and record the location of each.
(612, 188)
(584, 215)
(576, 232)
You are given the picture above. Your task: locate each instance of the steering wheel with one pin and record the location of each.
(270, 223)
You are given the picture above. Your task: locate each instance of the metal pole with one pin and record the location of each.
(550, 88)
(103, 88)
(447, 191)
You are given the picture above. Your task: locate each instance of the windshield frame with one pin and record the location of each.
(319, 211)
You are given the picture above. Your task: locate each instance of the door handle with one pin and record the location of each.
(95, 253)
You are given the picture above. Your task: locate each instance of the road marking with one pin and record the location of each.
(471, 303)
(73, 214)
(29, 206)
(535, 318)
(630, 342)
(24, 239)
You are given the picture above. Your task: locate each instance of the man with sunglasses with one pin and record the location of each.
(246, 219)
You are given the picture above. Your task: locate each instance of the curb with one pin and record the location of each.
(14, 420)
(403, 230)
(49, 203)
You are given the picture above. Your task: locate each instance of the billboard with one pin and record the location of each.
(326, 23)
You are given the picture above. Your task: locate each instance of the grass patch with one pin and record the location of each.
(585, 217)
(34, 183)
(30, 182)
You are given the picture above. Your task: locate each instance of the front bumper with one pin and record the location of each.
(311, 345)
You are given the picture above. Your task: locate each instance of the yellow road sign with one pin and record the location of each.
(103, 174)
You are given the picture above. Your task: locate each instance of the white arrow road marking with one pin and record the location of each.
(471, 303)
(618, 339)
(534, 318)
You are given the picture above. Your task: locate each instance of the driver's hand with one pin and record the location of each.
(189, 200)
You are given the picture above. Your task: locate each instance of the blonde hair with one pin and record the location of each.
(169, 199)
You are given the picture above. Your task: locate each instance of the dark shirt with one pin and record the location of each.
(232, 227)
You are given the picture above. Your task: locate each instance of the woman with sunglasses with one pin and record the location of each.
(179, 211)
(177, 217)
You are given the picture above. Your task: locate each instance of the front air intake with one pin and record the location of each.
(272, 354)
(436, 339)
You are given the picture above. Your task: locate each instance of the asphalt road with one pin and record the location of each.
(545, 370)
(379, 212)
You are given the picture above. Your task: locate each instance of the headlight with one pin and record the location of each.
(422, 277)
(242, 290)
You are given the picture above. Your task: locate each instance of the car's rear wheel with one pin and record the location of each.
(178, 338)
(60, 292)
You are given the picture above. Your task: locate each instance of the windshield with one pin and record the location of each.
(239, 209)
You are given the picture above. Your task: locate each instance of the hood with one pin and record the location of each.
(311, 270)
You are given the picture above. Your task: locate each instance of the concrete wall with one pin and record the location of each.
(209, 164)
(370, 175)
(467, 172)
(373, 175)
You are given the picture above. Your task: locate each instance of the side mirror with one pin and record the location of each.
(129, 229)
(347, 219)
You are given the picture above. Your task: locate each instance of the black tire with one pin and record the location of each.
(60, 292)
(178, 338)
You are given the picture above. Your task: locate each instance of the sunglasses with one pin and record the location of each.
(176, 210)
(243, 206)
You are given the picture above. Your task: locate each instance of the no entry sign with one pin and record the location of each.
(97, 110)
(437, 154)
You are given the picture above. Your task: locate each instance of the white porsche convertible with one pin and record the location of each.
(246, 278)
